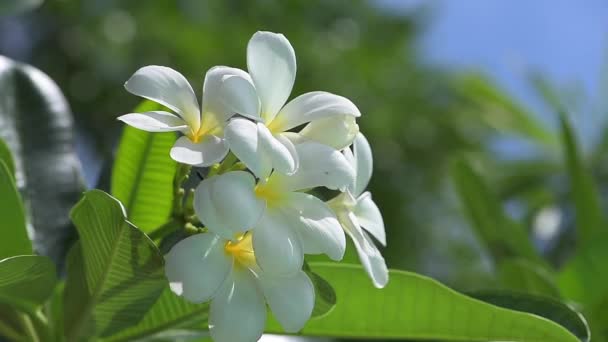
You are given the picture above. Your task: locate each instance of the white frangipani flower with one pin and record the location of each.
(356, 210)
(265, 144)
(287, 223)
(207, 267)
(203, 129)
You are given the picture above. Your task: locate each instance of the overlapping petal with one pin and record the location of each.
(277, 245)
(271, 62)
(212, 101)
(319, 165)
(313, 106)
(227, 204)
(364, 163)
(239, 95)
(169, 88)
(319, 230)
(370, 257)
(197, 266)
(291, 299)
(208, 151)
(154, 121)
(335, 131)
(369, 217)
(238, 312)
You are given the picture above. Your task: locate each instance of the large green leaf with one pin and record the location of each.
(142, 176)
(36, 124)
(412, 306)
(14, 240)
(115, 273)
(500, 111)
(590, 218)
(502, 237)
(542, 306)
(521, 275)
(26, 281)
(170, 313)
(7, 157)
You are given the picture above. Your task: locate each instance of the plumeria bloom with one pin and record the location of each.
(356, 210)
(286, 222)
(207, 267)
(261, 96)
(203, 129)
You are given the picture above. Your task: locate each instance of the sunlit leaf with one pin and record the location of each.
(325, 295)
(115, 272)
(26, 281)
(412, 306)
(14, 240)
(142, 176)
(7, 157)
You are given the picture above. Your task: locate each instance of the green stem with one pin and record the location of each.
(227, 163)
(9, 332)
(28, 327)
(181, 175)
(165, 229)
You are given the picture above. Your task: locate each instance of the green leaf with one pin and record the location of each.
(169, 313)
(325, 295)
(14, 239)
(500, 111)
(37, 126)
(412, 306)
(142, 176)
(7, 157)
(503, 238)
(590, 218)
(522, 275)
(26, 281)
(542, 306)
(115, 273)
(14, 7)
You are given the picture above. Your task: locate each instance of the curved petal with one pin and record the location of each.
(239, 95)
(319, 165)
(364, 161)
(291, 299)
(197, 266)
(276, 245)
(279, 150)
(169, 88)
(209, 151)
(271, 62)
(238, 312)
(213, 91)
(371, 259)
(369, 217)
(336, 131)
(155, 121)
(227, 204)
(313, 106)
(319, 229)
(242, 137)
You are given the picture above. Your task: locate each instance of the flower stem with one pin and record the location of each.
(165, 229)
(29, 328)
(181, 175)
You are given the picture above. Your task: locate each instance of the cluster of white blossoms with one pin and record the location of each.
(260, 223)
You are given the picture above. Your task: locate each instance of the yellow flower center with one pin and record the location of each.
(241, 250)
(210, 125)
(276, 126)
(271, 192)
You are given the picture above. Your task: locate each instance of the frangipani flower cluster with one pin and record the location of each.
(260, 223)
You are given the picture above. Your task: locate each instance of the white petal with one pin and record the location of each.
(291, 299)
(238, 312)
(364, 162)
(242, 137)
(258, 149)
(239, 95)
(336, 131)
(169, 88)
(369, 217)
(319, 165)
(276, 245)
(319, 231)
(227, 204)
(370, 257)
(313, 106)
(209, 151)
(197, 266)
(271, 62)
(213, 91)
(280, 151)
(155, 121)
